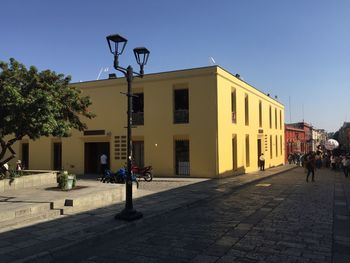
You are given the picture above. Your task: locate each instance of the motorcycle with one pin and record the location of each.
(119, 177)
(108, 177)
(144, 172)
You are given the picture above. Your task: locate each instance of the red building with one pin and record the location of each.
(308, 134)
(295, 140)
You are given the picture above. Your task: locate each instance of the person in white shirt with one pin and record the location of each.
(19, 165)
(262, 162)
(103, 163)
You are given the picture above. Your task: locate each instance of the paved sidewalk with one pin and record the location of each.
(263, 222)
(279, 219)
(36, 241)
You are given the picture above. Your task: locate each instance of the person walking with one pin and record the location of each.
(310, 166)
(333, 162)
(262, 162)
(346, 165)
(19, 165)
(298, 159)
(318, 161)
(103, 163)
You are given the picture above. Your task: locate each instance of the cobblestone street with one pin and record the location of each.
(279, 219)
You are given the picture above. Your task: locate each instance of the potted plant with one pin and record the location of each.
(66, 181)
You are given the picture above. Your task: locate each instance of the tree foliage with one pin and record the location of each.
(37, 103)
(336, 136)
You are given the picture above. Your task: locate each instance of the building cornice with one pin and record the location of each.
(179, 75)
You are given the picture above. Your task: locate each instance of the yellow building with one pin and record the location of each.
(202, 122)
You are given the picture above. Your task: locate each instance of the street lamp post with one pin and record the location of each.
(116, 45)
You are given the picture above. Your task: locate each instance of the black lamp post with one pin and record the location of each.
(116, 45)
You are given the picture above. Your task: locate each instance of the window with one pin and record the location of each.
(281, 144)
(182, 157)
(246, 109)
(247, 153)
(276, 146)
(234, 152)
(233, 106)
(181, 106)
(280, 120)
(271, 146)
(276, 118)
(270, 117)
(260, 114)
(137, 109)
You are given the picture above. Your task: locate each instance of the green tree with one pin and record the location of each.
(37, 103)
(336, 136)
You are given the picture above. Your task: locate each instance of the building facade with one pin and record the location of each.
(344, 137)
(202, 122)
(295, 141)
(309, 142)
(319, 137)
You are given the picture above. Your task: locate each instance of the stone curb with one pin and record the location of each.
(42, 255)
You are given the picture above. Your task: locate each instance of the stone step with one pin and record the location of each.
(90, 201)
(22, 210)
(20, 213)
(30, 219)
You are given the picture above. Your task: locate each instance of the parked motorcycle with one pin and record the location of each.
(109, 177)
(118, 177)
(144, 172)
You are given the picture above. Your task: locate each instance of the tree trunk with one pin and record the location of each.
(7, 146)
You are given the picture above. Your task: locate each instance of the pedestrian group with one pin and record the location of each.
(316, 160)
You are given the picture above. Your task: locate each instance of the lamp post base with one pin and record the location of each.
(128, 215)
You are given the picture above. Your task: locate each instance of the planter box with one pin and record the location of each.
(69, 184)
(29, 181)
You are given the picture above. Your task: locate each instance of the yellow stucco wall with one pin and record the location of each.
(159, 128)
(227, 130)
(209, 130)
(158, 131)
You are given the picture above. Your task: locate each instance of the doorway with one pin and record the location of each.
(92, 153)
(138, 153)
(182, 157)
(259, 150)
(25, 155)
(57, 156)
(234, 152)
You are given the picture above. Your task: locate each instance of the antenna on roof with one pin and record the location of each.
(303, 110)
(102, 70)
(290, 111)
(212, 61)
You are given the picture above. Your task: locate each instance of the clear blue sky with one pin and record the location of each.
(297, 49)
